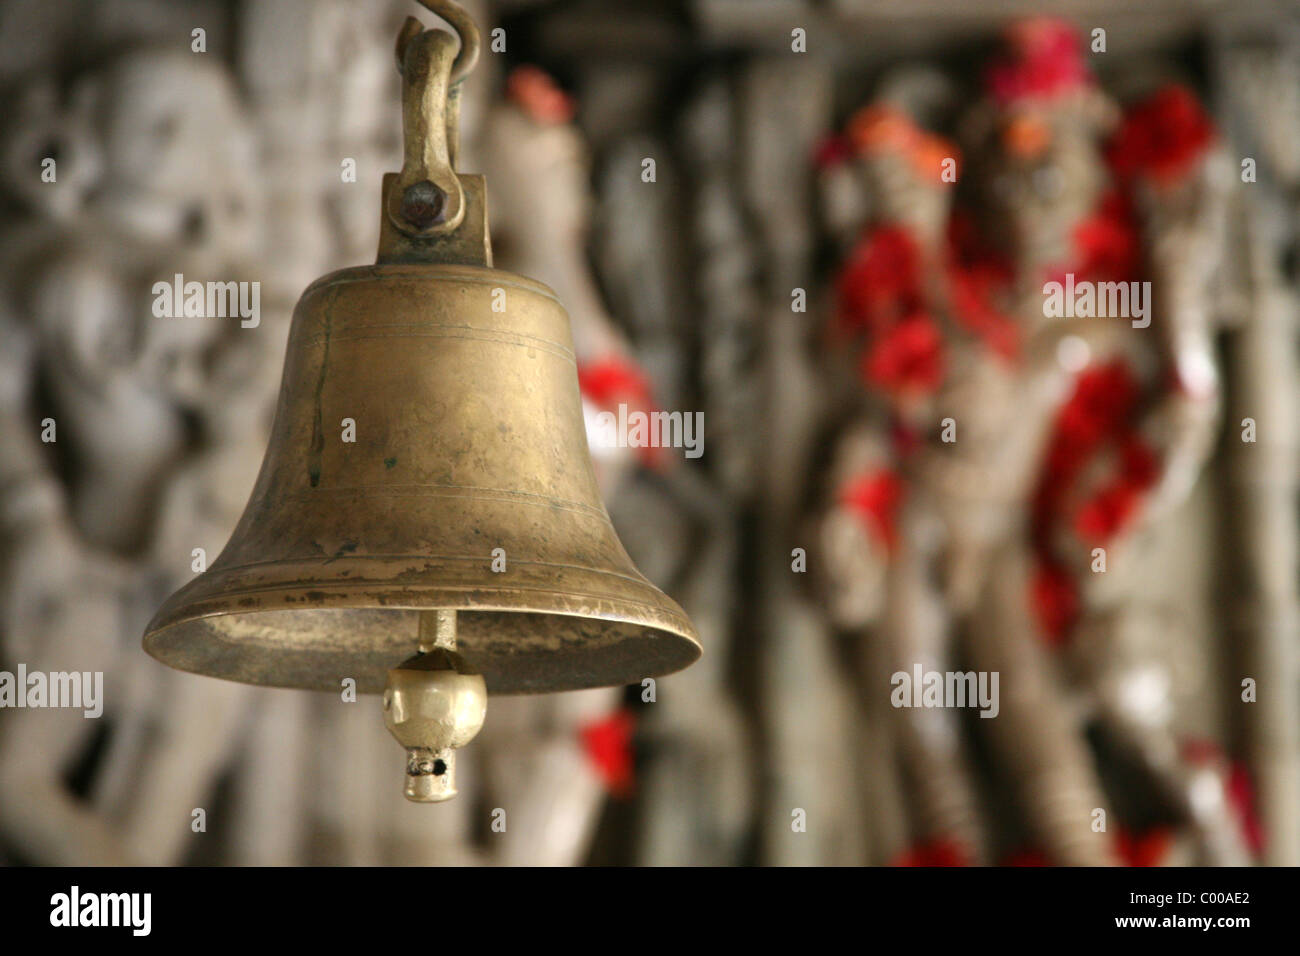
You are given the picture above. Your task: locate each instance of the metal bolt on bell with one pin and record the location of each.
(371, 559)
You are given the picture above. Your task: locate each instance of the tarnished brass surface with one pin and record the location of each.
(457, 544)
(469, 437)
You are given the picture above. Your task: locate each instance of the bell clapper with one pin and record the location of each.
(434, 703)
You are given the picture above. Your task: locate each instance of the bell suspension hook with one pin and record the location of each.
(428, 199)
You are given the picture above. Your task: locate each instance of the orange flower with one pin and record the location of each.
(881, 128)
(539, 96)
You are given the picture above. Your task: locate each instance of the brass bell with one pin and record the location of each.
(458, 544)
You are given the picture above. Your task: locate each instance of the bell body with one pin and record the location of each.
(468, 486)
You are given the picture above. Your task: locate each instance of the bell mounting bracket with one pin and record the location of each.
(432, 214)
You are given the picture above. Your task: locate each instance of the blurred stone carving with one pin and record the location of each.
(1100, 510)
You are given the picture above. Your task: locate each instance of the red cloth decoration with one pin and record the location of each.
(937, 852)
(608, 744)
(1042, 60)
(1163, 137)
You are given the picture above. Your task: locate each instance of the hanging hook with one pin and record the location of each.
(429, 199)
(461, 23)
(426, 203)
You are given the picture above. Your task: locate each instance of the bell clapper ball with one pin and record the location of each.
(434, 702)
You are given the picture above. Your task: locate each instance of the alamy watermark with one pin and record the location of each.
(923, 688)
(179, 299)
(1098, 300)
(75, 908)
(639, 429)
(75, 689)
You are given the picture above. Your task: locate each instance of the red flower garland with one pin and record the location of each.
(977, 277)
(880, 283)
(1097, 417)
(876, 497)
(1107, 244)
(1163, 137)
(908, 358)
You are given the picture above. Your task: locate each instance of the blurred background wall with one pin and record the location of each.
(827, 227)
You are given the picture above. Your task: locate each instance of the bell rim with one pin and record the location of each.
(305, 597)
(176, 638)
